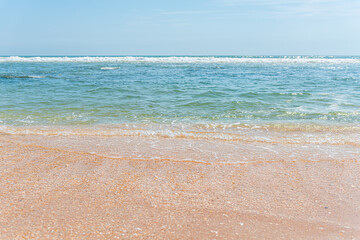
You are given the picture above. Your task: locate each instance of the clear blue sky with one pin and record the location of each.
(179, 27)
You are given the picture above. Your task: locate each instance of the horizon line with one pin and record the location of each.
(176, 55)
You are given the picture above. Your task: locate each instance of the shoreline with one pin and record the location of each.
(80, 186)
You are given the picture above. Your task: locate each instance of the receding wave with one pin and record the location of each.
(133, 59)
(272, 134)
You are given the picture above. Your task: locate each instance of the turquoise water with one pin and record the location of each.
(102, 90)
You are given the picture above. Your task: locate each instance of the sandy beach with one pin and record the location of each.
(128, 187)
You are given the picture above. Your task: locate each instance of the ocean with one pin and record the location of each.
(215, 97)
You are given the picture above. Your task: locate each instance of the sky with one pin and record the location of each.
(179, 27)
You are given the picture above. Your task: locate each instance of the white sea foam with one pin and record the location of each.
(327, 136)
(35, 76)
(132, 59)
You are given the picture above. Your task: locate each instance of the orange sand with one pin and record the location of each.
(93, 187)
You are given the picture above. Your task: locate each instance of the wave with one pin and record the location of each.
(270, 134)
(109, 68)
(132, 59)
(19, 76)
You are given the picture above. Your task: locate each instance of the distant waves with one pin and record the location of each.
(187, 59)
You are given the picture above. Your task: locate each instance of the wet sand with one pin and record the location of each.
(98, 187)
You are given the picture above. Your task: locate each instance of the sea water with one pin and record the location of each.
(264, 99)
(165, 90)
(93, 90)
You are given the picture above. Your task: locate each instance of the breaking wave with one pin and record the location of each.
(183, 59)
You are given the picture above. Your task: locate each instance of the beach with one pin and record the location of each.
(85, 186)
(179, 148)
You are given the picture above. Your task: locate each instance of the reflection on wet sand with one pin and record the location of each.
(98, 187)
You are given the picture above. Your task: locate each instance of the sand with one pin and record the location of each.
(97, 187)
